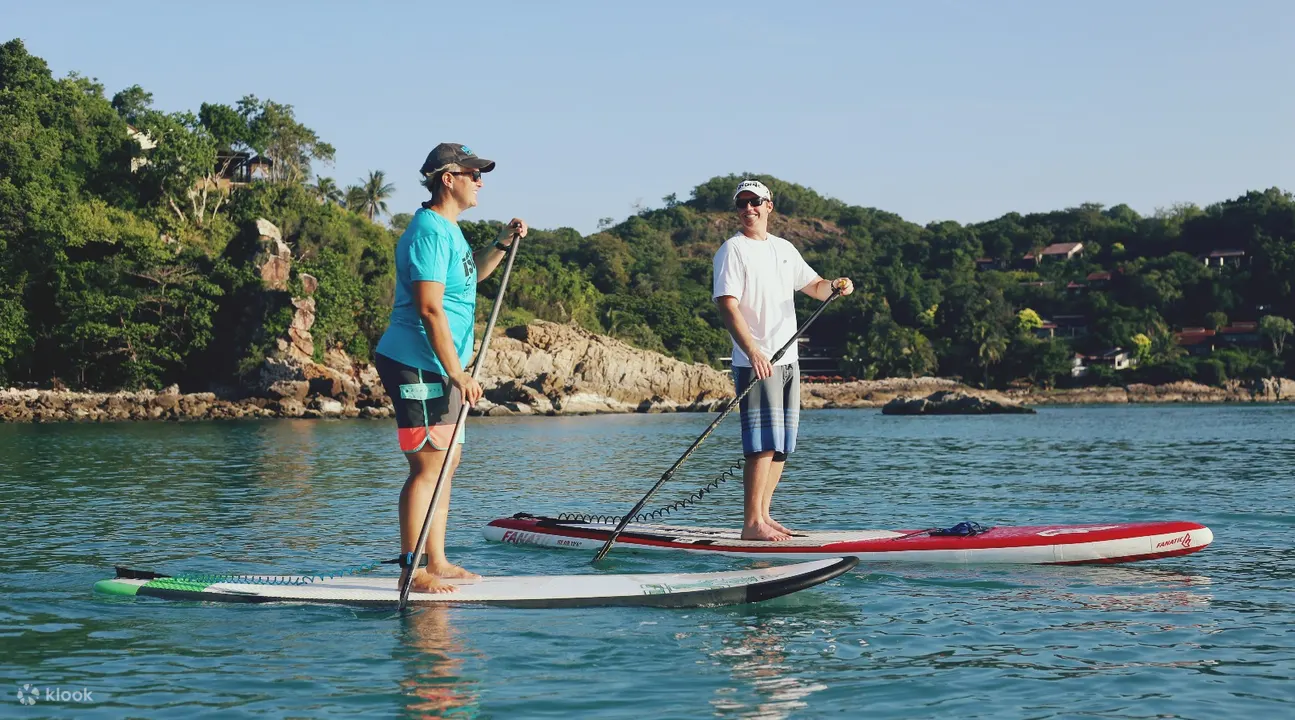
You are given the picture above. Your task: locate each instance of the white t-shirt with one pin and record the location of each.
(764, 276)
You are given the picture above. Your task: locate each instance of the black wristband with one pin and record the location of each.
(501, 246)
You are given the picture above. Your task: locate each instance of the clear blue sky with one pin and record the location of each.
(932, 110)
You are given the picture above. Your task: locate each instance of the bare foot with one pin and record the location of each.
(425, 583)
(777, 525)
(763, 531)
(450, 571)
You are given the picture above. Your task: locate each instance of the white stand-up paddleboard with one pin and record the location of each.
(1027, 544)
(527, 591)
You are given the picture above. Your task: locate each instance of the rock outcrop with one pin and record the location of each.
(948, 402)
(290, 378)
(273, 256)
(870, 393)
(556, 369)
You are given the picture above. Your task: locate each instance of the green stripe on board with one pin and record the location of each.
(178, 584)
(116, 587)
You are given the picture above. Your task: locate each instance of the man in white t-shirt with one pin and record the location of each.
(756, 279)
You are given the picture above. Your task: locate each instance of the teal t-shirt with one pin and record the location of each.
(432, 249)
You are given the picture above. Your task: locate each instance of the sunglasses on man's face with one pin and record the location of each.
(476, 174)
(748, 202)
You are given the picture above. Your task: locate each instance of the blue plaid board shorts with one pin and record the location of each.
(771, 411)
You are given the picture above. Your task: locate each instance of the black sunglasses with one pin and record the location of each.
(476, 174)
(748, 202)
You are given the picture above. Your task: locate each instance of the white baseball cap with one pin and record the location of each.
(753, 186)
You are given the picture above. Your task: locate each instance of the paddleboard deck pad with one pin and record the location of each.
(526, 591)
(1035, 545)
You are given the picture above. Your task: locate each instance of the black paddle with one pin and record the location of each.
(458, 423)
(607, 546)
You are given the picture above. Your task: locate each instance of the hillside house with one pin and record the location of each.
(1240, 334)
(1115, 358)
(1196, 340)
(145, 143)
(1070, 326)
(1224, 258)
(1098, 280)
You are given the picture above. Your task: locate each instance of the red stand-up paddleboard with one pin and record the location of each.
(1034, 545)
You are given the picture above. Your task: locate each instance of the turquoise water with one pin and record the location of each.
(1205, 636)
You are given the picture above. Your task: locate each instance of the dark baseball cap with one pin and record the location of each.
(456, 154)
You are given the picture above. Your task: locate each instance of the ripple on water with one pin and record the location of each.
(1208, 635)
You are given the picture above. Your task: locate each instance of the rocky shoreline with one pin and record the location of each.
(876, 393)
(549, 369)
(518, 398)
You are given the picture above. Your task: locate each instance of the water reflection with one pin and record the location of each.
(757, 655)
(432, 655)
(1137, 589)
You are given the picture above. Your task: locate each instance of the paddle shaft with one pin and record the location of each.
(607, 546)
(458, 423)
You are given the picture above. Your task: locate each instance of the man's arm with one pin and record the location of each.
(488, 258)
(821, 289)
(741, 332)
(429, 298)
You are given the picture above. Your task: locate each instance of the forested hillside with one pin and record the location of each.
(127, 234)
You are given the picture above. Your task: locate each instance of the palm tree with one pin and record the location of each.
(353, 198)
(376, 190)
(990, 347)
(325, 188)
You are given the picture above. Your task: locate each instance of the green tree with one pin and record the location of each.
(1216, 320)
(353, 198)
(132, 102)
(179, 170)
(326, 189)
(1142, 348)
(273, 129)
(1028, 321)
(131, 310)
(1053, 361)
(235, 139)
(1276, 329)
(990, 346)
(400, 221)
(554, 291)
(375, 191)
(1212, 371)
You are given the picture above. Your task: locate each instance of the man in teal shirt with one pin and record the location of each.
(422, 356)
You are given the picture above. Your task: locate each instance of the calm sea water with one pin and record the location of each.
(1205, 636)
